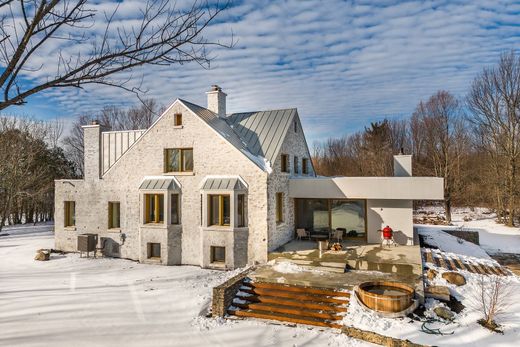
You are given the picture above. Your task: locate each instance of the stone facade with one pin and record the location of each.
(293, 145)
(190, 241)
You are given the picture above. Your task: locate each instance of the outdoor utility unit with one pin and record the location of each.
(87, 243)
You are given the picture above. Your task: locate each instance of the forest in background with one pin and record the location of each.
(472, 142)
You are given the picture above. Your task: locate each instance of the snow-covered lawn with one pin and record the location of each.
(72, 301)
(494, 238)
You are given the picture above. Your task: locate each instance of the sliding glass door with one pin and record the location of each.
(328, 214)
(348, 215)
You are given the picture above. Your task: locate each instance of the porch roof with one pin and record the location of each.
(223, 183)
(159, 183)
(386, 188)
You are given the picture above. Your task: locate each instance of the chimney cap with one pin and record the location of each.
(94, 122)
(215, 88)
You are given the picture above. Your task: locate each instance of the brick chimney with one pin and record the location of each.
(92, 151)
(217, 101)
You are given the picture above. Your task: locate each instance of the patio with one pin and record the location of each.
(357, 262)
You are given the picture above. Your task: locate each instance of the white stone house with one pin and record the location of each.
(202, 187)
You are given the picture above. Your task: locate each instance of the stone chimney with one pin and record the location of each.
(217, 101)
(402, 165)
(92, 151)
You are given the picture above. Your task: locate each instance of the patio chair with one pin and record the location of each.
(337, 235)
(302, 233)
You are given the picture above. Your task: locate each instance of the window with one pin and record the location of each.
(219, 210)
(295, 126)
(114, 215)
(218, 254)
(154, 250)
(305, 170)
(279, 207)
(241, 210)
(175, 209)
(178, 160)
(70, 214)
(285, 162)
(295, 163)
(154, 208)
(177, 119)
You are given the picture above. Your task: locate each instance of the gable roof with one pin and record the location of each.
(257, 134)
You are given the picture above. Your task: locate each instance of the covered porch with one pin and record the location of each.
(357, 208)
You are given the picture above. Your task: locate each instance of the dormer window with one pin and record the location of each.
(177, 119)
(284, 163)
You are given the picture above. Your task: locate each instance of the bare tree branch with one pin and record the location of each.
(164, 36)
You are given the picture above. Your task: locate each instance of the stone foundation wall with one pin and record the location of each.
(223, 294)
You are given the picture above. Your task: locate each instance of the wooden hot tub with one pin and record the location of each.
(386, 296)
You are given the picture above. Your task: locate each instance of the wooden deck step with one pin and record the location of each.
(441, 261)
(477, 268)
(486, 269)
(470, 267)
(429, 256)
(295, 295)
(298, 289)
(462, 266)
(294, 303)
(494, 270)
(453, 265)
(300, 312)
(284, 318)
(502, 270)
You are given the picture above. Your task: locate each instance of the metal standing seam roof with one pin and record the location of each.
(261, 133)
(223, 183)
(159, 183)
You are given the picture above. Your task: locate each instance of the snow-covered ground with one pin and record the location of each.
(466, 330)
(72, 301)
(494, 238)
(109, 302)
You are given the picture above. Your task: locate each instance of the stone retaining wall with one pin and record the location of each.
(378, 339)
(224, 293)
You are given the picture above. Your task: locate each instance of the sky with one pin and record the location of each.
(343, 64)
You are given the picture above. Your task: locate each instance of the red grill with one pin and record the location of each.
(387, 233)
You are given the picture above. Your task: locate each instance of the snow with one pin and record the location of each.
(493, 237)
(448, 243)
(286, 267)
(73, 301)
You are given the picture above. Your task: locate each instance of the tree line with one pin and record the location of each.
(34, 153)
(472, 142)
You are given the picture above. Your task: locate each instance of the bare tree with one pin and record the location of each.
(494, 101)
(493, 299)
(113, 118)
(442, 141)
(164, 35)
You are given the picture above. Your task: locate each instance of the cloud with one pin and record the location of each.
(342, 63)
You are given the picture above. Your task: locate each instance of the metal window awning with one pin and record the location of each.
(223, 183)
(155, 183)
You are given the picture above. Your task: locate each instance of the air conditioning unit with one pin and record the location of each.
(87, 243)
